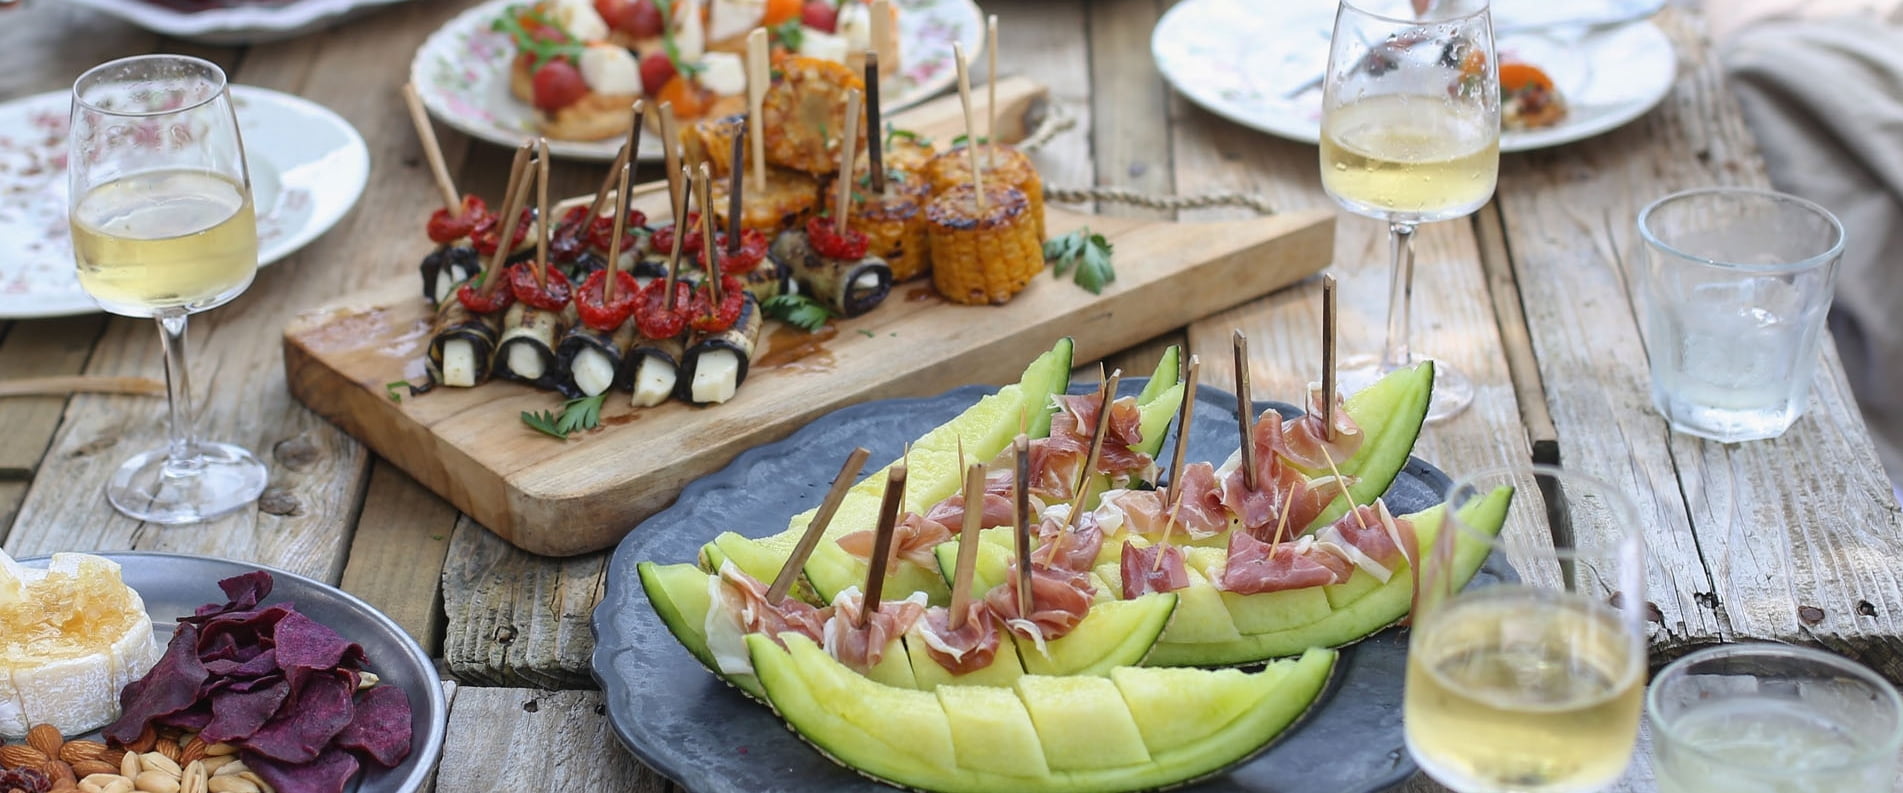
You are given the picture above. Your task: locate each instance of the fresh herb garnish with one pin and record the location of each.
(894, 133)
(1089, 253)
(576, 415)
(543, 50)
(390, 390)
(681, 66)
(799, 311)
(964, 139)
(790, 33)
(868, 334)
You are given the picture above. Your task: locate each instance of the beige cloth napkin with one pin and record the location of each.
(1825, 100)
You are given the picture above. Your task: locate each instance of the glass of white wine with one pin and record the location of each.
(163, 227)
(1531, 686)
(1410, 134)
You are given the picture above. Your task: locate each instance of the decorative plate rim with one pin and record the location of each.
(237, 19)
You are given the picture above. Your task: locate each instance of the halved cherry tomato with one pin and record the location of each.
(485, 237)
(663, 238)
(1515, 76)
(603, 231)
(654, 319)
(638, 18)
(709, 318)
(753, 248)
(602, 315)
(556, 85)
(820, 15)
(552, 295)
(656, 70)
(471, 296)
(778, 11)
(688, 98)
(444, 229)
(850, 246)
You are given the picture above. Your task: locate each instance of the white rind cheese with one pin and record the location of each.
(594, 373)
(653, 382)
(50, 677)
(867, 280)
(723, 73)
(716, 377)
(445, 285)
(459, 363)
(609, 69)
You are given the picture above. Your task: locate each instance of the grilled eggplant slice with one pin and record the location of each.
(716, 364)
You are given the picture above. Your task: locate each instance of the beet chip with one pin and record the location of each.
(246, 592)
(326, 774)
(381, 728)
(170, 687)
(304, 642)
(236, 715)
(261, 665)
(240, 636)
(318, 708)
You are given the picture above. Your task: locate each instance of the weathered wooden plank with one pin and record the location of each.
(1514, 339)
(509, 739)
(516, 618)
(1130, 125)
(38, 349)
(402, 537)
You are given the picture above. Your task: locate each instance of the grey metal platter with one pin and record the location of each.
(172, 585)
(688, 725)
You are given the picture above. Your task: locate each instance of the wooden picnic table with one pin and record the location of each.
(1797, 539)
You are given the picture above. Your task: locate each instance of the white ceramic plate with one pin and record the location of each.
(308, 166)
(1242, 60)
(462, 72)
(248, 23)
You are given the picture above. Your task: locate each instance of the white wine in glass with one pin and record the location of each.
(1410, 134)
(163, 227)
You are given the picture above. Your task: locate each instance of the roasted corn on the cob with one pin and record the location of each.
(804, 114)
(710, 140)
(789, 197)
(982, 256)
(894, 222)
(1001, 164)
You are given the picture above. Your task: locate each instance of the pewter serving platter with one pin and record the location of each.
(685, 723)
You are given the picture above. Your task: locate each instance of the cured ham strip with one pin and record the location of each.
(1059, 600)
(1076, 421)
(747, 597)
(968, 649)
(1200, 514)
(1074, 549)
(1372, 538)
(1305, 443)
(912, 540)
(997, 510)
(1255, 566)
(862, 647)
(1283, 488)
(1143, 573)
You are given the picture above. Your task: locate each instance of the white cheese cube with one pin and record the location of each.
(653, 382)
(723, 73)
(690, 38)
(459, 363)
(526, 361)
(732, 18)
(716, 376)
(816, 43)
(579, 19)
(609, 69)
(855, 26)
(593, 372)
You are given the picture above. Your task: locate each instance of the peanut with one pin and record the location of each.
(130, 766)
(155, 761)
(156, 782)
(231, 784)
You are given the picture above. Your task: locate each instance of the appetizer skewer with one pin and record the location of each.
(652, 365)
(453, 260)
(986, 244)
(726, 321)
(592, 351)
(467, 329)
(888, 207)
(828, 257)
(543, 311)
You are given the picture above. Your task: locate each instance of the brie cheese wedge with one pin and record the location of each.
(71, 636)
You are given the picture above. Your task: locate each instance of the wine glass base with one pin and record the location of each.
(152, 488)
(1453, 390)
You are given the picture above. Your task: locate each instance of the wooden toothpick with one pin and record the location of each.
(842, 483)
(875, 132)
(882, 540)
(1169, 525)
(704, 187)
(884, 38)
(757, 81)
(670, 152)
(622, 157)
(506, 222)
(842, 201)
(971, 126)
(432, 151)
(541, 212)
(685, 181)
(991, 84)
(1245, 409)
(620, 228)
(968, 544)
(1191, 371)
(1328, 357)
(1096, 447)
(1022, 519)
(735, 201)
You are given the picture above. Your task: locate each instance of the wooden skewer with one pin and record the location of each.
(968, 544)
(542, 221)
(686, 182)
(875, 133)
(628, 148)
(842, 200)
(882, 541)
(884, 38)
(1169, 525)
(991, 85)
(620, 228)
(432, 151)
(735, 201)
(757, 81)
(1328, 357)
(1022, 517)
(1245, 409)
(842, 483)
(507, 221)
(1191, 372)
(671, 152)
(704, 188)
(1096, 447)
(81, 384)
(971, 127)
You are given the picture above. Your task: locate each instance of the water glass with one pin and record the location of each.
(1772, 718)
(1733, 286)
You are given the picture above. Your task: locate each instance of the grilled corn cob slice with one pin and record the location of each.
(1001, 164)
(789, 198)
(982, 257)
(904, 151)
(804, 114)
(710, 140)
(894, 223)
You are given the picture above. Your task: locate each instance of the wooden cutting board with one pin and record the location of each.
(561, 498)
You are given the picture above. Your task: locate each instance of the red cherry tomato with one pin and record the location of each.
(556, 85)
(603, 231)
(602, 315)
(753, 248)
(485, 236)
(656, 70)
(645, 20)
(471, 296)
(709, 318)
(550, 296)
(444, 229)
(654, 319)
(690, 245)
(820, 15)
(850, 246)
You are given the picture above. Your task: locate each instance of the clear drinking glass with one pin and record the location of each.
(1530, 687)
(1771, 718)
(163, 227)
(1410, 134)
(1734, 286)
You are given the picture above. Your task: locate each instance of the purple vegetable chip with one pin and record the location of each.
(245, 591)
(261, 665)
(328, 773)
(237, 715)
(306, 643)
(170, 687)
(381, 727)
(319, 707)
(193, 718)
(240, 636)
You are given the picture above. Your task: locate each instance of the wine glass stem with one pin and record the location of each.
(1396, 353)
(183, 459)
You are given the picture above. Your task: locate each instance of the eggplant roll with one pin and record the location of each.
(590, 360)
(849, 288)
(648, 268)
(526, 352)
(581, 265)
(651, 368)
(769, 279)
(716, 363)
(445, 269)
(462, 346)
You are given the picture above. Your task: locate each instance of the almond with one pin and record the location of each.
(167, 747)
(56, 770)
(193, 751)
(19, 755)
(46, 738)
(75, 751)
(146, 740)
(112, 757)
(86, 768)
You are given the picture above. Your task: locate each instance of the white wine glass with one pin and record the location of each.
(1532, 686)
(1410, 135)
(163, 227)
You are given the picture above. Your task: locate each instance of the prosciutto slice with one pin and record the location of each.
(1372, 538)
(1074, 549)
(1282, 488)
(747, 597)
(862, 647)
(997, 510)
(912, 540)
(1306, 444)
(1076, 422)
(1059, 600)
(1199, 514)
(1143, 573)
(1255, 566)
(970, 648)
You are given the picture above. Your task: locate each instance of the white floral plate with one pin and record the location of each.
(308, 166)
(235, 23)
(462, 72)
(1256, 63)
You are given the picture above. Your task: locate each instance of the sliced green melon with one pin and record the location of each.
(1005, 668)
(1200, 615)
(1390, 413)
(1359, 618)
(1169, 372)
(1115, 633)
(1142, 729)
(1259, 613)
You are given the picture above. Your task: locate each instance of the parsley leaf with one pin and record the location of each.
(799, 311)
(544, 422)
(543, 50)
(790, 33)
(390, 389)
(1088, 253)
(894, 133)
(964, 139)
(576, 415)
